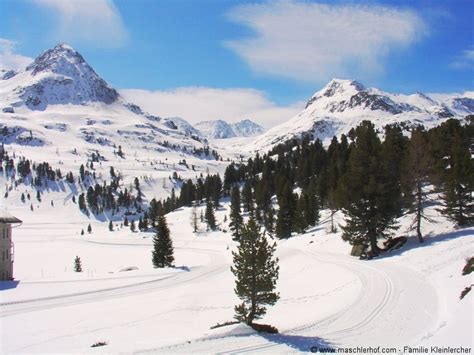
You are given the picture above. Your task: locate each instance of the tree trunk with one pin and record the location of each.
(419, 210)
(373, 241)
(332, 221)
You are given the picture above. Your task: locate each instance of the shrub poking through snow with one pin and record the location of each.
(469, 267)
(99, 343)
(465, 292)
(77, 264)
(264, 328)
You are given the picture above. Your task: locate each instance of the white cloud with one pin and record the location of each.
(315, 42)
(9, 60)
(202, 103)
(464, 61)
(96, 21)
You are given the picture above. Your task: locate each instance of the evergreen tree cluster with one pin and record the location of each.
(373, 181)
(208, 188)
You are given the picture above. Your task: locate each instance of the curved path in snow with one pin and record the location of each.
(160, 283)
(396, 306)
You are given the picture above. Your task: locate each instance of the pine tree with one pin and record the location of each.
(89, 229)
(247, 198)
(236, 220)
(371, 207)
(162, 255)
(210, 217)
(333, 205)
(415, 178)
(77, 264)
(300, 221)
(111, 226)
(256, 271)
(285, 215)
(82, 202)
(194, 218)
(312, 204)
(458, 183)
(82, 172)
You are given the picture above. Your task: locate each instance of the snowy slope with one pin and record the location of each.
(59, 110)
(342, 104)
(219, 129)
(328, 298)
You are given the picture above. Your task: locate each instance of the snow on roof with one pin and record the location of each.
(6, 217)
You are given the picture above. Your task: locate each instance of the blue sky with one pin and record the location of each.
(264, 57)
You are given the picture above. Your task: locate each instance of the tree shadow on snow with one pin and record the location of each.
(7, 285)
(298, 342)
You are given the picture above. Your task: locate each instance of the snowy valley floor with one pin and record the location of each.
(328, 298)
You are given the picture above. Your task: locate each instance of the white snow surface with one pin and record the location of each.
(328, 298)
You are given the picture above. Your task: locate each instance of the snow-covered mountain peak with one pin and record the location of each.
(342, 104)
(337, 90)
(247, 128)
(219, 129)
(340, 86)
(58, 76)
(62, 59)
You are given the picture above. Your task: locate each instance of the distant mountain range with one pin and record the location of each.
(219, 129)
(59, 99)
(342, 104)
(59, 91)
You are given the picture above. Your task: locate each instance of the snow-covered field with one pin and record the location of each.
(328, 298)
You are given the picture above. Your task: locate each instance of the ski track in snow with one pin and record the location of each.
(162, 283)
(386, 291)
(369, 303)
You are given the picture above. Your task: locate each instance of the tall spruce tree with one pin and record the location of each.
(210, 217)
(194, 217)
(416, 169)
(300, 222)
(285, 215)
(371, 207)
(162, 254)
(236, 220)
(256, 271)
(247, 197)
(458, 182)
